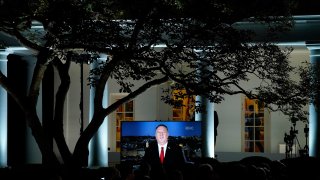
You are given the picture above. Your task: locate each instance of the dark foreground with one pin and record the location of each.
(250, 168)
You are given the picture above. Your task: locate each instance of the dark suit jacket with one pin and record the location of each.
(174, 160)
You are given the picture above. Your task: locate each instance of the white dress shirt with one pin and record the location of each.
(164, 148)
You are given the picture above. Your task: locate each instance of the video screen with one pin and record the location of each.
(135, 136)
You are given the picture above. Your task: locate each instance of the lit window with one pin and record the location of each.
(254, 126)
(123, 113)
(184, 111)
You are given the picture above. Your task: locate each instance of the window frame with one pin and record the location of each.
(265, 125)
(187, 111)
(116, 125)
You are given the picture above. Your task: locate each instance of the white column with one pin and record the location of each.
(207, 126)
(20, 68)
(98, 147)
(314, 111)
(33, 153)
(3, 113)
(207, 118)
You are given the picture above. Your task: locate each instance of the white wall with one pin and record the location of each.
(229, 128)
(146, 105)
(72, 109)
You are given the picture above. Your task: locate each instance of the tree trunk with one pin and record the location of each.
(81, 151)
(58, 132)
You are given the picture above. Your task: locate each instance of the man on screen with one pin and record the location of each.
(164, 157)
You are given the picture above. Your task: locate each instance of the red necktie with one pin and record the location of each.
(161, 155)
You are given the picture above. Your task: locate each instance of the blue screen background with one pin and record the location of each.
(147, 128)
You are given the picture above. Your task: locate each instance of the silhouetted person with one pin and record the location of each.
(143, 173)
(216, 123)
(204, 172)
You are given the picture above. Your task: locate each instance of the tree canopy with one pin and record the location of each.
(192, 43)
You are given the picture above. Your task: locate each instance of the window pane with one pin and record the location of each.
(259, 146)
(258, 122)
(260, 134)
(249, 132)
(261, 120)
(129, 117)
(249, 146)
(249, 122)
(257, 133)
(129, 106)
(120, 108)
